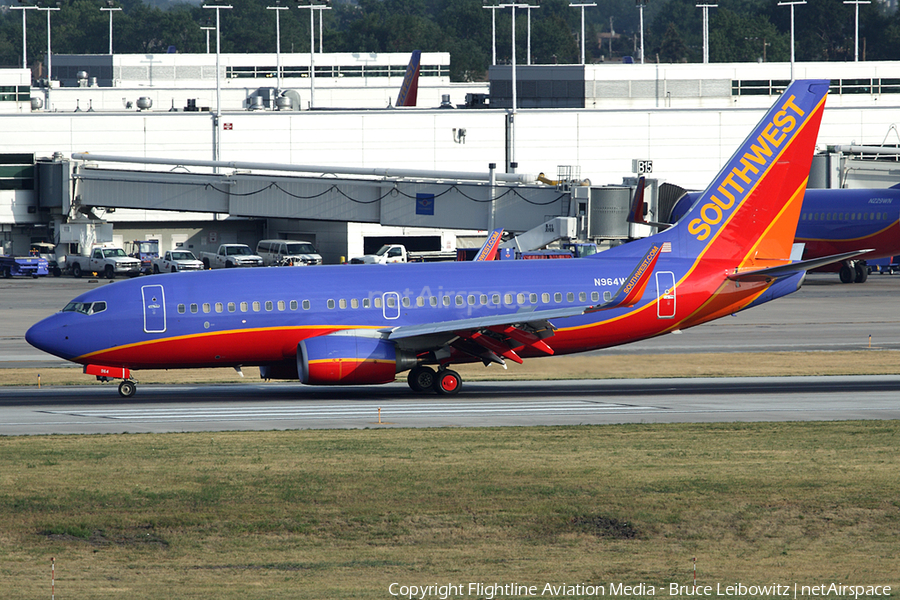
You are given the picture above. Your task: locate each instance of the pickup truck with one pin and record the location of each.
(105, 261)
(174, 261)
(231, 255)
(397, 253)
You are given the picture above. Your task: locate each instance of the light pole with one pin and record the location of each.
(792, 3)
(110, 9)
(706, 8)
(24, 50)
(582, 7)
(312, 46)
(278, 8)
(856, 35)
(529, 8)
(640, 5)
(493, 8)
(48, 9)
(218, 8)
(207, 30)
(512, 116)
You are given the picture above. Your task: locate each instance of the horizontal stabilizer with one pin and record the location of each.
(795, 267)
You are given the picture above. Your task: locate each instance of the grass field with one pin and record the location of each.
(343, 514)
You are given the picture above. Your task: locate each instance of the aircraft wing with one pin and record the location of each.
(496, 337)
(794, 267)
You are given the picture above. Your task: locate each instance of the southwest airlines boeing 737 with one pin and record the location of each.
(364, 325)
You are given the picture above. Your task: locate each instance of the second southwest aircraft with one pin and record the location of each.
(340, 325)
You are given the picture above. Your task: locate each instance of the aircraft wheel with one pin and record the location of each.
(862, 272)
(127, 389)
(109, 273)
(447, 383)
(847, 274)
(421, 379)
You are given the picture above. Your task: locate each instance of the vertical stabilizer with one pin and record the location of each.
(749, 213)
(409, 90)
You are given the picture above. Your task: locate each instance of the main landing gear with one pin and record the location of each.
(444, 382)
(854, 271)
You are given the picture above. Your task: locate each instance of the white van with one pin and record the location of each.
(288, 253)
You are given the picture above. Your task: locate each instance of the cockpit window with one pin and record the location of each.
(85, 308)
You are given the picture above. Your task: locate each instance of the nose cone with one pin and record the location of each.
(50, 335)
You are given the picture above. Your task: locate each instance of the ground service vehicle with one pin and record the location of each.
(145, 251)
(174, 261)
(231, 255)
(288, 253)
(11, 266)
(397, 253)
(105, 261)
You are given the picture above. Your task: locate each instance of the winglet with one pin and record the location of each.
(634, 286)
(637, 204)
(636, 214)
(489, 249)
(409, 89)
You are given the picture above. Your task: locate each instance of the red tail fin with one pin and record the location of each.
(409, 90)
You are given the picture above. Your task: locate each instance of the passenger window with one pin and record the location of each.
(484, 299)
(460, 301)
(495, 299)
(570, 297)
(256, 306)
(557, 297)
(446, 301)
(582, 296)
(219, 307)
(206, 307)
(231, 307)
(377, 302)
(433, 301)
(330, 303)
(420, 301)
(471, 300)
(595, 296)
(508, 299)
(306, 305)
(269, 305)
(545, 298)
(281, 305)
(293, 305)
(521, 298)
(244, 307)
(533, 298)
(366, 303)
(342, 303)
(405, 302)
(354, 303)
(391, 301)
(193, 308)
(181, 309)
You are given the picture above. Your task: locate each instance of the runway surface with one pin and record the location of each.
(160, 409)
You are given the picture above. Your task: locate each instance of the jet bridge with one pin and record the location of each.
(410, 198)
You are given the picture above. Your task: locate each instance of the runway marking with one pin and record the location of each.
(349, 411)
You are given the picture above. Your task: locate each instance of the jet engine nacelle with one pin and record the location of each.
(349, 358)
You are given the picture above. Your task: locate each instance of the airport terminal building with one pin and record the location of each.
(573, 123)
